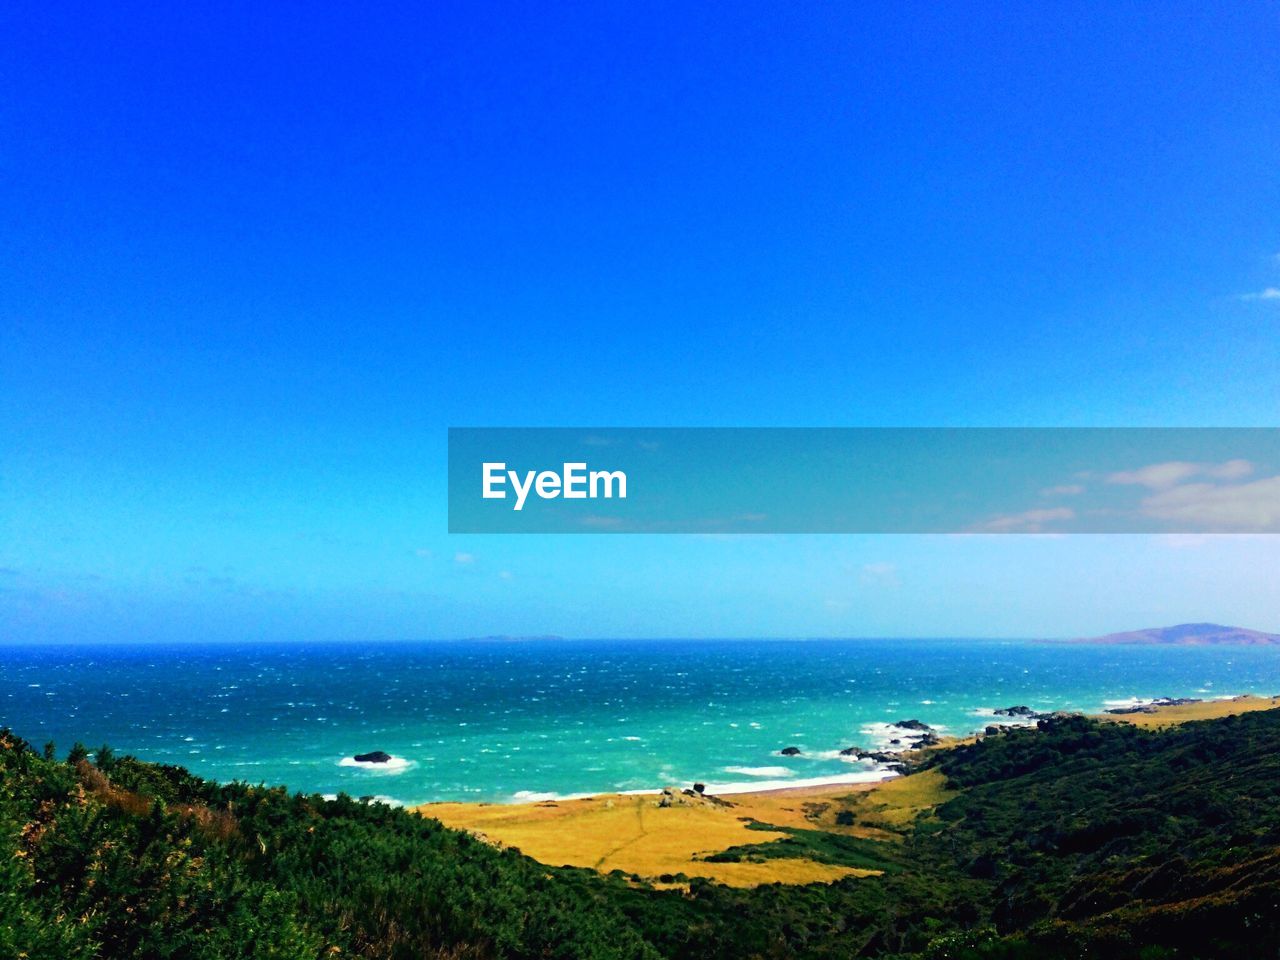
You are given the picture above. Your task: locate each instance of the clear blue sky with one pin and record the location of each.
(256, 260)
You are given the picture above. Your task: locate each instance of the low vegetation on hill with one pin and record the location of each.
(1073, 839)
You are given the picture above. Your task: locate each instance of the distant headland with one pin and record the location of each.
(1189, 635)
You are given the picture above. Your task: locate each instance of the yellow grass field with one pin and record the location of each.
(1205, 710)
(635, 835)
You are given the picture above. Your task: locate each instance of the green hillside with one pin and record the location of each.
(1078, 839)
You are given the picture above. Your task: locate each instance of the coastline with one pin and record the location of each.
(671, 834)
(551, 718)
(1159, 715)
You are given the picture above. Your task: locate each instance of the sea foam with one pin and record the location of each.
(866, 776)
(391, 767)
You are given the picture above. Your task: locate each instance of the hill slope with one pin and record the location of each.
(1075, 839)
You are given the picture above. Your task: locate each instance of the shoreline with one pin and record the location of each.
(867, 779)
(668, 837)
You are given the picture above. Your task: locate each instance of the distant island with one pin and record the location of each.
(1189, 635)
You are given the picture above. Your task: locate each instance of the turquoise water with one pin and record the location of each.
(506, 720)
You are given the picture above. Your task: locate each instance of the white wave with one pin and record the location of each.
(545, 796)
(1144, 701)
(882, 735)
(533, 796)
(865, 776)
(378, 798)
(391, 767)
(822, 755)
(761, 771)
(1127, 702)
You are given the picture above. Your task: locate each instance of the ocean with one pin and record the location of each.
(512, 720)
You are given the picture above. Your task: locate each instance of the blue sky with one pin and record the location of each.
(256, 262)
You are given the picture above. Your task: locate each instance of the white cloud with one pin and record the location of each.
(1231, 470)
(1269, 293)
(1158, 475)
(1029, 521)
(1162, 476)
(1065, 490)
(1253, 506)
(464, 558)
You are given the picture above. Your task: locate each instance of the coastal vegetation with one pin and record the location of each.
(1075, 837)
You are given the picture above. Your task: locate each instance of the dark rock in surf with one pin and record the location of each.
(376, 756)
(1018, 711)
(913, 725)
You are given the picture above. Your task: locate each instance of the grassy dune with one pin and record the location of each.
(633, 834)
(1204, 710)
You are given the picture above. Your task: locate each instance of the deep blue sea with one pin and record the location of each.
(505, 720)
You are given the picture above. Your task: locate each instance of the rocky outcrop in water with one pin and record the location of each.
(912, 725)
(376, 756)
(1018, 711)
